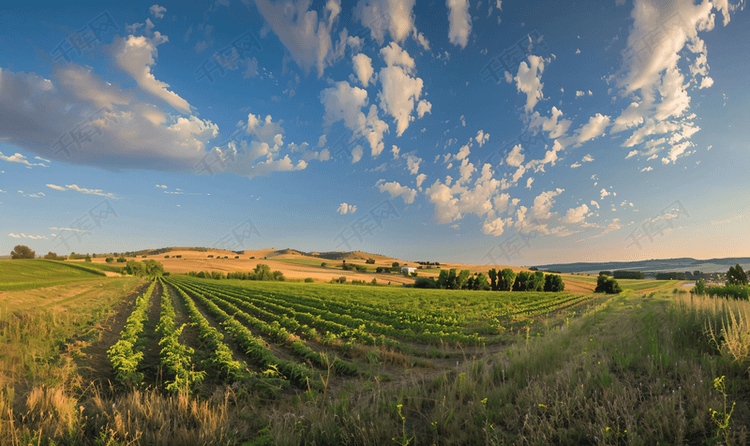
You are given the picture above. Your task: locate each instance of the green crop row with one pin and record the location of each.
(298, 374)
(174, 356)
(221, 356)
(122, 355)
(282, 334)
(358, 325)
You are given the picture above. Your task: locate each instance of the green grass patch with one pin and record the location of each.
(16, 275)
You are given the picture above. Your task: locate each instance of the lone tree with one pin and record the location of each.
(607, 285)
(22, 252)
(735, 275)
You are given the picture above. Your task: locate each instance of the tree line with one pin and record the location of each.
(261, 272)
(503, 280)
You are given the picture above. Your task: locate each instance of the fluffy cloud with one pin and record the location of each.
(480, 198)
(357, 153)
(424, 107)
(122, 131)
(344, 102)
(592, 129)
(528, 80)
(135, 55)
(555, 126)
(543, 204)
(395, 189)
(575, 215)
(400, 87)
(363, 68)
(482, 138)
(654, 79)
(459, 22)
(388, 16)
(603, 193)
(346, 209)
(412, 163)
(515, 157)
(157, 11)
(306, 38)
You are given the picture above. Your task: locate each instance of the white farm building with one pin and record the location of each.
(408, 270)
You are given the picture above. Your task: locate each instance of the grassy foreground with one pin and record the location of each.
(636, 368)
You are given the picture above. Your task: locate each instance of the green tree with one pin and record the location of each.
(263, 272)
(22, 252)
(481, 284)
(493, 279)
(51, 256)
(607, 285)
(506, 279)
(88, 258)
(700, 287)
(109, 259)
(553, 283)
(442, 281)
(523, 281)
(462, 280)
(538, 281)
(394, 265)
(736, 276)
(452, 282)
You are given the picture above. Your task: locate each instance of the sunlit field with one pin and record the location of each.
(180, 360)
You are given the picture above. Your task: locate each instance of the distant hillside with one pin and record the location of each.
(666, 265)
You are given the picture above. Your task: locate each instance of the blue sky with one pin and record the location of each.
(505, 132)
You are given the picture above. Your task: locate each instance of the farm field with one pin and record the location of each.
(626, 284)
(295, 265)
(41, 273)
(182, 360)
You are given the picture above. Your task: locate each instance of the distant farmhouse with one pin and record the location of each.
(408, 270)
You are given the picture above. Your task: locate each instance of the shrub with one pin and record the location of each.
(414, 274)
(166, 257)
(425, 282)
(607, 285)
(324, 264)
(88, 258)
(342, 279)
(122, 259)
(309, 280)
(394, 265)
(109, 259)
(733, 291)
(370, 261)
(553, 283)
(700, 287)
